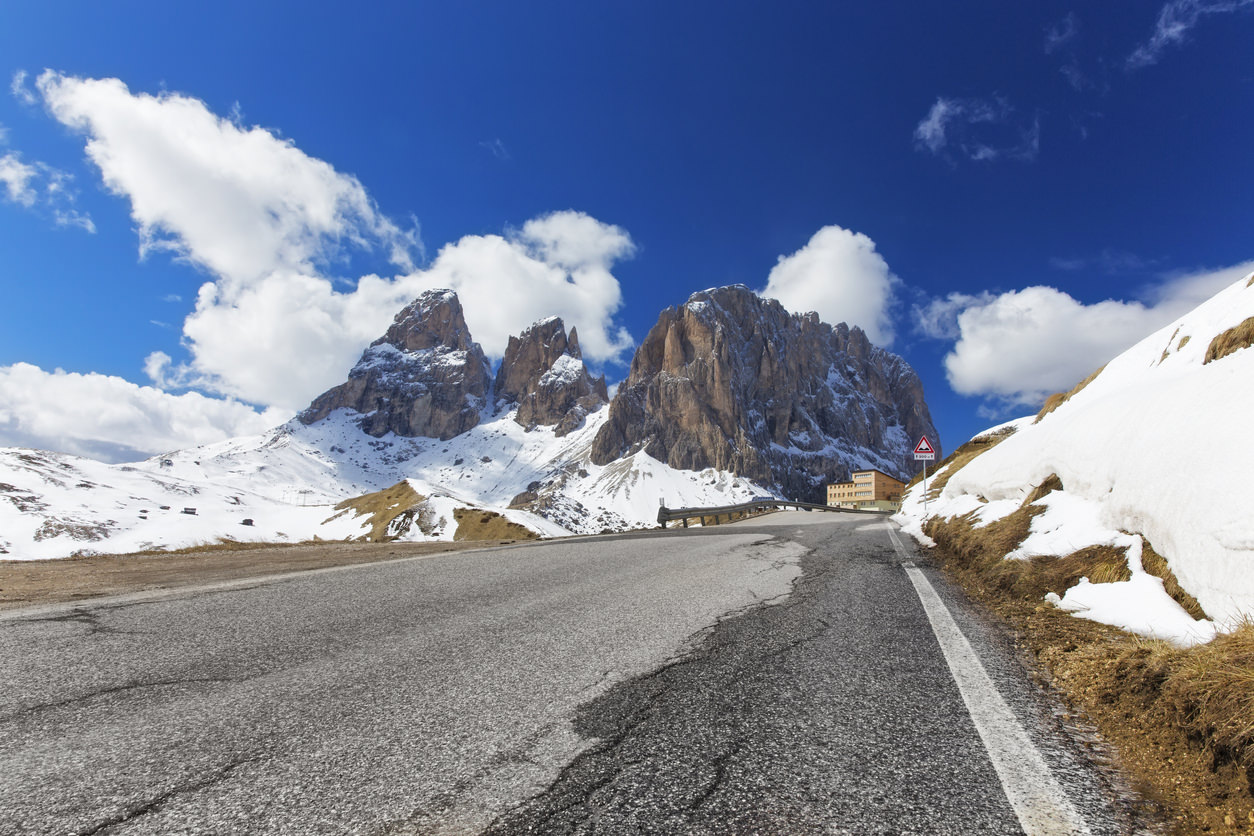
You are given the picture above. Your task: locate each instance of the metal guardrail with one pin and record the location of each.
(665, 515)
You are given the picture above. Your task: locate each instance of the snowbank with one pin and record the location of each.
(1156, 445)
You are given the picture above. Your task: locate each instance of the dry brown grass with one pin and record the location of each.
(1156, 564)
(1181, 719)
(1234, 339)
(222, 544)
(382, 507)
(1212, 687)
(982, 552)
(477, 524)
(1059, 398)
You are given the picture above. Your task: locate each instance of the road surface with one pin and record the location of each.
(795, 673)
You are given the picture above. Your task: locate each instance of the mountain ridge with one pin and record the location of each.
(422, 406)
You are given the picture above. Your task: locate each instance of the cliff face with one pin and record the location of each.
(732, 381)
(544, 374)
(424, 377)
(728, 380)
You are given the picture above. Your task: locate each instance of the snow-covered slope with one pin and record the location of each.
(1158, 444)
(287, 481)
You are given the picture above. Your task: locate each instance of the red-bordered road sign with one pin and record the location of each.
(924, 451)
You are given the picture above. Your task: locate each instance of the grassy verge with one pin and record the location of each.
(1182, 720)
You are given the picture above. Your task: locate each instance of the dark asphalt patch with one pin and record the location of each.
(830, 713)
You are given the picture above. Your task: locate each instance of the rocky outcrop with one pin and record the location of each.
(424, 377)
(732, 381)
(544, 374)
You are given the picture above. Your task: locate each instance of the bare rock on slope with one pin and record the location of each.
(424, 377)
(733, 381)
(544, 373)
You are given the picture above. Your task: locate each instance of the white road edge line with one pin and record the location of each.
(1037, 798)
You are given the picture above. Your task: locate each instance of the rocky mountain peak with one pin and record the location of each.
(733, 381)
(544, 374)
(434, 320)
(424, 377)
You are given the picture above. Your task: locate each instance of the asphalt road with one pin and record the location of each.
(776, 676)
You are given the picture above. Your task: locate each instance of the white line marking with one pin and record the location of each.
(1036, 796)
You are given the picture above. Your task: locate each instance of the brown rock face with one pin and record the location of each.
(733, 381)
(543, 372)
(423, 377)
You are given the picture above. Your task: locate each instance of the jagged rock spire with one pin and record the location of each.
(544, 374)
(424, 377)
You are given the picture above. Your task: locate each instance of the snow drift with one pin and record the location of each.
(1158, 444)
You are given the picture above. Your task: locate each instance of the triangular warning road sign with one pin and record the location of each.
(924, 446)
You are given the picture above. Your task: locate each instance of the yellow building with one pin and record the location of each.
(869, 489)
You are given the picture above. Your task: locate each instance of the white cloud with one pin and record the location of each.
(284, 340)
(17, 177)
(982, 130)
(43, 188)
(111, 419)
(241, 203)
(1060, 34)
(1018, 347)
(20, 90)
(1175, 19)
(841, 276)
(557, 264)
(938, 319)
(263, 218)
(72, 217)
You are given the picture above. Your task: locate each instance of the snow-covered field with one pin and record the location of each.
(1158, 444)
(286, 482)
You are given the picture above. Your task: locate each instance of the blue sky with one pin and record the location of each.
(1007, 194)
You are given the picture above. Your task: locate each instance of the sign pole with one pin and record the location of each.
(924, 452)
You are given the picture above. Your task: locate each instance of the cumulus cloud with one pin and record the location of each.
(1016, 348)
(283, 340)
(1175, 20)
(111, 419)
(982, 130)
(840, 275)
(265, 219)
(240, 202)
(558, 264)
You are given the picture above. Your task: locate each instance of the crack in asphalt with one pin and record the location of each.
(156, 803)
(116, 689)
(571, 803)
(88, 618)
(719, 764)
